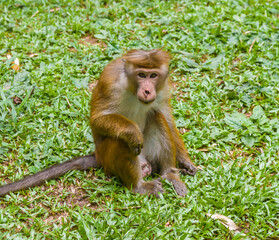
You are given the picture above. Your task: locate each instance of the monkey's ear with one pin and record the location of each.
(129, 67)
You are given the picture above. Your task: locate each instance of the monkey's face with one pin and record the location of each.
(146, 82)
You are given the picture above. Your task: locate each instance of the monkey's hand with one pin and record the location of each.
(188, 168)
(134, 139)
(118, 126)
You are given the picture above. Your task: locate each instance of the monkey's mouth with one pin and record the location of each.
(146, 102)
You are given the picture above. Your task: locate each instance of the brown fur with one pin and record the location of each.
(147, 59)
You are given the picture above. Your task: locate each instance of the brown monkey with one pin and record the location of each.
(132, 126)
(130, 113)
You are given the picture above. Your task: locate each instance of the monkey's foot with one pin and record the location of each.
(150, 188)
(188, 168)
(173, 177)
(179, 187)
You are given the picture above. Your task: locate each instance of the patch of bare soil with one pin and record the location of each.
(90, 40)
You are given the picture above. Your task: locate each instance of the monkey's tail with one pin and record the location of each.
(53, 172)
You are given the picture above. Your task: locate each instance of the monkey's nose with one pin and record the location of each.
(146, 95)
(147, 92)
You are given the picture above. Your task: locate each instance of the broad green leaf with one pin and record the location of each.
(237, 120)
(213, 63)
(248, 140)
(258, 112)
(190, 63)
(81, 83)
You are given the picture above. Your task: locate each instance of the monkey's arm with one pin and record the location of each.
(53, 172)
(118, 126)
(182, 157)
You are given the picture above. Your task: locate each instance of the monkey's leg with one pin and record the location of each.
(160, 148)
(118, 159)
(53, 172)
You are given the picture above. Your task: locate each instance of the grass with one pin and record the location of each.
(225, 97)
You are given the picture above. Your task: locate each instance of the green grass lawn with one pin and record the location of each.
(225, 95)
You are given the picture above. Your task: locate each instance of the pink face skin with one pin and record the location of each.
(146, 92)
(147, 83)
(144, 82)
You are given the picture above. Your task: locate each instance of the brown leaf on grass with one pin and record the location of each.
(168, 224)
(35, 14)
(203, 150)
(72, 50)
(17, 100)
(227, 222)
(183, 130)
(33, 54)
(200, 168)
(220, 83)
(250, 49)
(54, 9)
(16, 65)
(248, 114)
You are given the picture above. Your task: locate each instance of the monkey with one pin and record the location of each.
(132, 127)
(131, 113)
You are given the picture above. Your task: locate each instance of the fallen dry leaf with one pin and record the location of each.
(33, 54)
(35, 14)
(228, 223)
(168, 224)
(16, 65)
(250, 49)
(17, 100)
(200, 168)
(203, 150)
(54, 9)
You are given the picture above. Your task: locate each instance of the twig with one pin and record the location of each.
(117, 209)
(35, 14)
(68, 102)
(250, 49)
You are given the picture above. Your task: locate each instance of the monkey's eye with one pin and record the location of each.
(153, 75)
(141, 75)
